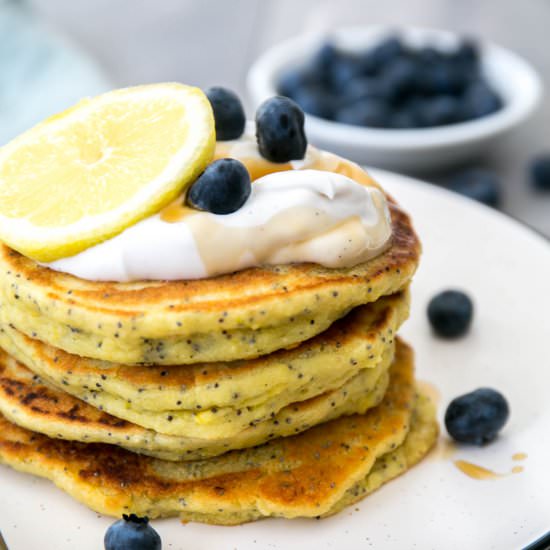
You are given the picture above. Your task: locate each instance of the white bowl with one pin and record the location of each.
(406, 150)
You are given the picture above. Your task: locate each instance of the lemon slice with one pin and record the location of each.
(86, 174)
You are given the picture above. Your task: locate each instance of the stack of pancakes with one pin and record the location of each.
(274, 391)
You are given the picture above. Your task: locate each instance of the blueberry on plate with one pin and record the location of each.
(540, 172)
(374, 113)
(228, 110)
(222, 188)
(280, 130)
(477, 417)
(478, 184)
(132, 533)
(450, 313)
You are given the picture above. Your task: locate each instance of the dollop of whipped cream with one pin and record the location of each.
(292, 216)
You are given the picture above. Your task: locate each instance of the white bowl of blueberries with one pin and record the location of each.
(416, 100)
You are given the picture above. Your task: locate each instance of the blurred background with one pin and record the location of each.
(55, 51)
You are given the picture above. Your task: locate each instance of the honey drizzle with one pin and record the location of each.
(176, 211)
(479, 472)
(474, 471)
(259, 167)
(519, 456)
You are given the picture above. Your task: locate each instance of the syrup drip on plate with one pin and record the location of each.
(479, 472)
(474, 471)
(519, 456)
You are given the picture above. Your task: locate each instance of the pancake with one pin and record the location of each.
(421, 437)
(236, 316)
(308, 475)
(33, 404)
(219, 399)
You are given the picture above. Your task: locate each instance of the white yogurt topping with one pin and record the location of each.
(291, 216)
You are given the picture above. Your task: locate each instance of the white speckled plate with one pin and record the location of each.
(505, 267)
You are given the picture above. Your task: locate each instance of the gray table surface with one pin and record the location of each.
(206, 42)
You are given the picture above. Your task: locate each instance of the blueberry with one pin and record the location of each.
(222, 188)
(428, 55)
(315, 101)
(364, 87)
(467, 53)
(317, 70)
(228, 113)
(540, 172)
(477, 417)
(479, 100)
(325, 57)
(404, 119)
(132, 533)
(342, 71)
(478, 184)
(384, 53)
(368, 64)
(369, 112)
(415, 106)
(441, 79)
(440, 110)
(450, 313)
(399, 77)
(280, 130)
(293, 80)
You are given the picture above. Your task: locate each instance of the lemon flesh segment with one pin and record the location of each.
(85, 175)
